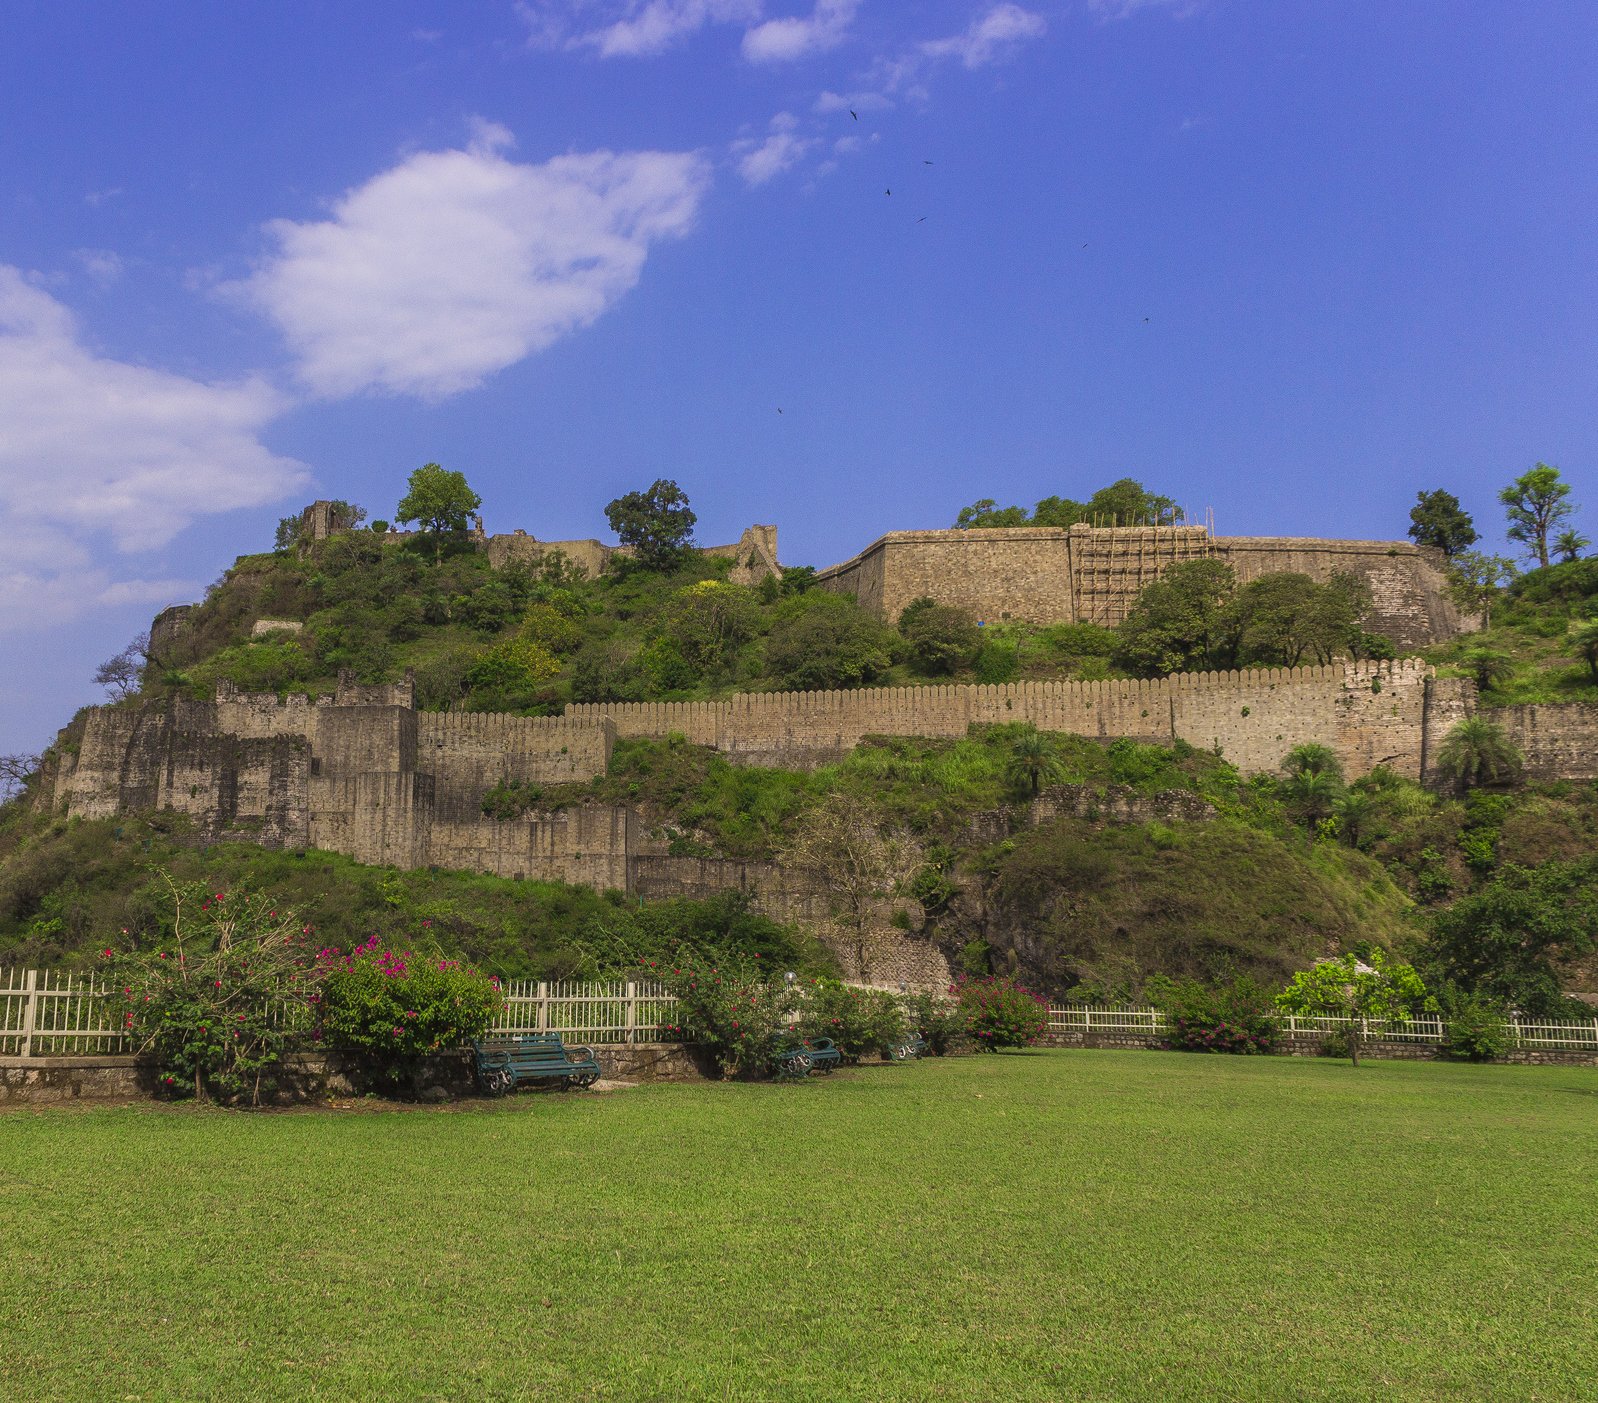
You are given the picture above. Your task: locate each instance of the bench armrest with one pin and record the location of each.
(581, 1054)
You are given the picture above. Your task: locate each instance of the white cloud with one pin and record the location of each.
(93, 448)
(778, 152)
(1125, 9)
(783, 40)
(454, 264)
(633, 29)
(102, 265)
(990, 38)
(829, 102)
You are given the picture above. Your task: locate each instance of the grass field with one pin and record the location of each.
(1055, 1225)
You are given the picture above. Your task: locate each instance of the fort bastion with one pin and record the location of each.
(1093, 574)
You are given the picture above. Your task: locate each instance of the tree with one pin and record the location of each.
(1585, 643)
(1179, 622)
(1570, 545)
(839, 843)
(1127, 502)
(1353, 810)
(709, 622)
(15, 772)
(1276, 617)
(1312, 796)
(941, 639)
(1357, 989)
(988, 513)
(1477, 752)
(657, 524)
(1437, 520)
(1313, 758)
(1332, 625)
(1510, 937)
(1475, 581)
(121, 675)
(1535, 503)
(826, 640)
(1033, 761)
(1488, 666)
(440, 501)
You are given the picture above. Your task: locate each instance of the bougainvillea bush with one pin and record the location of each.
(732, 1006)
(998, 1012)
(399, 1006)
(858, 1021)
(219, 1000)
(1237, 1017)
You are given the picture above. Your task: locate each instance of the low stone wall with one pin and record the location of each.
(308, 1077)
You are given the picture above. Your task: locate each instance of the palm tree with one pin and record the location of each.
(1311, 795)
(1585, 642)
(1353, 812)
(1033, 762)
(1488, 666)
(1312, 758)
(1570, 544)
(1477, 752)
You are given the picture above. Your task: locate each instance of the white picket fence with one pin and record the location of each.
(1574, 1036)
(54, 1014)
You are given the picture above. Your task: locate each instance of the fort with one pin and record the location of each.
(364, 773)
(1092, 574)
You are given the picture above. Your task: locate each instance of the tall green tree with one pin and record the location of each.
(1585, 643)
(1357, 989)
(657, 524)
(1535, 503)
(1033, 761)
(1179, 623)
(1437, 520)
(1475, 580)
(440, 501)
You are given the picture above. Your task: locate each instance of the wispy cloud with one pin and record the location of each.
(784, 40)
(455, 264)
(102, 266)
(1125, 9)
(762, 159)
(631, 29)
(990, 38)
(94, 449)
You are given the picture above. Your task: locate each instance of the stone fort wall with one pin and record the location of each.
(1086, 574)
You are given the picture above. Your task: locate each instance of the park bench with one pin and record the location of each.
(808, 1055)
(911, 1048)
(502, 1062)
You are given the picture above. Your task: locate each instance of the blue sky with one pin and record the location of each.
(1292, 261)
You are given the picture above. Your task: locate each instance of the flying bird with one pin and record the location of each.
(926, 163)
(854, 114)
(922, 220)
(887, 192)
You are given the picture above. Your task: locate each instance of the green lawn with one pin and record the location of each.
(1055, 1225)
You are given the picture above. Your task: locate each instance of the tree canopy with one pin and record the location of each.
(1125, 502)
(1535, 503)
(1437, 520)
(658, 524)
(440, 501)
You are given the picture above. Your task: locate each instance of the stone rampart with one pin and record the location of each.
(1085, 574)
(1370, 713)
(1559, 741)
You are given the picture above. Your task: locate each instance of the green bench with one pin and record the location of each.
(907, 1051)
(503, 1062)
(806, 1056)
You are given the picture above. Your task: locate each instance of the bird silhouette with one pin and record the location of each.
(926, 163)
(854, 114)
(922, 220)
(887, 192)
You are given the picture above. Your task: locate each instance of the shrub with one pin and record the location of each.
(998, 1012)
(1475, 1028)
(937, 1021)
(857, 1020)
(214, 1003)
(1229, 1018)
(399, 1007)
(733, 1007)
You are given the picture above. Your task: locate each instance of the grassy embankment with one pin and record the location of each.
(1093, 1226)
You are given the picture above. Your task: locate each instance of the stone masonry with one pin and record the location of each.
(1087, 574)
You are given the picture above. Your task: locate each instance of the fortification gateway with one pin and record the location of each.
(1093, 574)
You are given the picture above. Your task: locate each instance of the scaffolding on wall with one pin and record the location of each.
(1111, 563)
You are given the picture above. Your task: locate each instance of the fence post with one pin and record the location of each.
(541, 1017)
(30, 986)
(630, 1014)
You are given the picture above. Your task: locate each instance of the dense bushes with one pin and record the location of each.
(999, 1013)
(1236, 1017)
(399, 1006)
(859, 1021)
